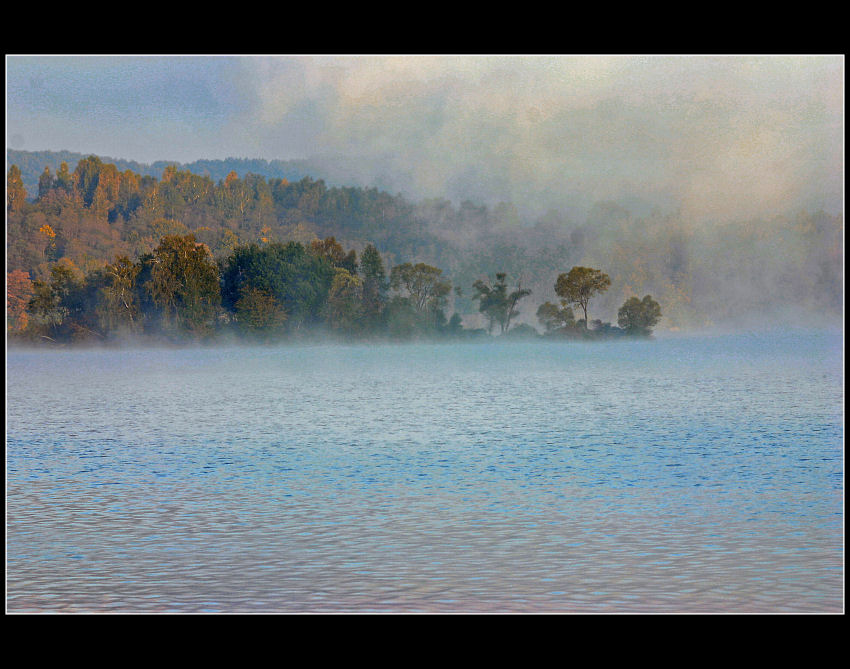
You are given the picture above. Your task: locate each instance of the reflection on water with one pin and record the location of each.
(676, 475)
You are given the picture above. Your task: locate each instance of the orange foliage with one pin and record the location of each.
(18, 293)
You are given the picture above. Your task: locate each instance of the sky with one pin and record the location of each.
(713, 138)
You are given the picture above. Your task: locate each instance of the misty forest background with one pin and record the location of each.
(72, 217)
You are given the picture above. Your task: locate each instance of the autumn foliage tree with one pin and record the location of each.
(16, 193)
(19, 291)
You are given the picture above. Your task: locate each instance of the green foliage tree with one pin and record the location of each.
(553, 317)
(496, 303)
(423, 285)
(375, 286)
(65, 179)
(298, 279)
(184, 285)
(118, 309)
(522, 331)
(87, 176)
(61, 307)
(45, 183)
(45, 308)
(579, 285)
(344, 305)
(454, 328)
(637, 317)
(258, 313)
(403, 319)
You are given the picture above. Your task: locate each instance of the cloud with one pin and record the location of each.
(713, 137)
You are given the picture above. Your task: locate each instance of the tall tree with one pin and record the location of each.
(16, 193)
(184, 284)
(18, 294)
(427, 291)
(45, 183)
(580, 285)
(375, 285)
(344, 302)
(118, 309)
(65, 179)
(87, 176)
(496, 303)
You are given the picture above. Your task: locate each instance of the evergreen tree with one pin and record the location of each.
(375, 286)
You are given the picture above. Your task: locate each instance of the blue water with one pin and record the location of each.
(700, 474)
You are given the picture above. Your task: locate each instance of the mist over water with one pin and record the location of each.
(685, 474)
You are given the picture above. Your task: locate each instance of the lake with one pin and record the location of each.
(686, 474)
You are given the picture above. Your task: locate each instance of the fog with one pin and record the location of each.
(714, 137)
(713, 182)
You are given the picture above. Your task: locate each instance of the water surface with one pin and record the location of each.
(678, 475)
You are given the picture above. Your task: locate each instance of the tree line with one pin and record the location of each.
(91, 212)
(287, 290)
(209, 260)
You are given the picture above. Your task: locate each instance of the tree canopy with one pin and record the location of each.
(496, 303)
(638, 317)
(581, 284)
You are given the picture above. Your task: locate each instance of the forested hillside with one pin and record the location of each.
(33, 163)
(86, 217)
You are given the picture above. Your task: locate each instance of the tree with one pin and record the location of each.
(496, 303)
(375, 286)
(118, 308)
(45, 183)
(16, 193)
(184, 284)
(328, 248)
(258, 312)
(298, 279)
(638, 317)
(423, 285)
(49, 250)
(403, 321)
(580, 285)
(87, 176)
(18, 294)
(344, 304)
(65, 179)
(56, 303)
(552, 317)
(455, 325)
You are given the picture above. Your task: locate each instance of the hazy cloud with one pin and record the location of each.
(713, 137)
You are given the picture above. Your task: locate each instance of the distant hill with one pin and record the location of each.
(32, 164)
(788, 269)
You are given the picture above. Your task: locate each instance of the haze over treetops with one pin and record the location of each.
(90, 212)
